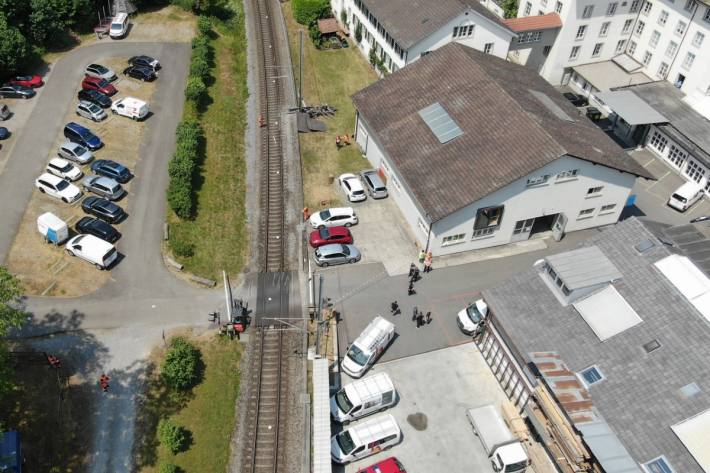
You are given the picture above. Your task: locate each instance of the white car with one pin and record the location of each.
(352, 187)
(75, 152)
(471, 318)
(92, 249)
(333, 217)
(58, 187)
(64, 169)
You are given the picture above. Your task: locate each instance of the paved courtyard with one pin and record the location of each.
(434, 391)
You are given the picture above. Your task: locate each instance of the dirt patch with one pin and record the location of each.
(45, 269)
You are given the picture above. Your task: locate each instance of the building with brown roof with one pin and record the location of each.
(479, 152)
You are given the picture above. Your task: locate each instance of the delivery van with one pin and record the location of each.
(504, 450)
(100, 253)
(365, 439)
(371, 343)
(52, 228)
(363, 397)
(119, 26)
(685, 196)
(130, 107)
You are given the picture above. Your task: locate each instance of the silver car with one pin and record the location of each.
(100, 71)
(91, 111)
(373, 184)
(103, 186)
(74, 152)
(336, 254)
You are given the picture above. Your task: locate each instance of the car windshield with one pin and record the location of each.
(100, 69)
(357, 355)
(117, 26)
(103, 83)
(341, 399)
(78, 150)
(514, 467)
(79, 238)
(474, 314)
(345, 441)
(93, 108)
(680, 198)
(66, 168)
(324, 233)
(324, 215)
(358, 192)
(24, 78)
(107, 206)
(87, 135)
(61, 185)
(346, 250)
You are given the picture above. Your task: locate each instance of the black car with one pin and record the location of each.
(104, 209)
(140, 72)
(17, 92)
(98, 228)
(112, 169)
(94, 96)
(576, 99)
(145, 61)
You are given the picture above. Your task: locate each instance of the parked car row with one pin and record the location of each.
(357, 188)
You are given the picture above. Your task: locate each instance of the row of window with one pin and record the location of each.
(379, 27)
(533, 181)
(588, 213)
(678, 158)
(530, 37)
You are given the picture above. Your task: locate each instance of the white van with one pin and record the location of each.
(371, 343)
(363, 397)
(52, 228)
(92, 249)
(470, 318)
(365, 439)
(119, 26)
(130, 107)
(685, 196)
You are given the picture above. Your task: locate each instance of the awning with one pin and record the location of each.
(607, 75)
(631, 107)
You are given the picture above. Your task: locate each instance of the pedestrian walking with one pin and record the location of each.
(410, 289)
(420, 320)
(412, 268)
(415, 311)
(394, 307)
(416, 275)
(428, 317)
(422, 255)
(427, 262)
(103, 382)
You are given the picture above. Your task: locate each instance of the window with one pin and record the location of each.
(647, 58)
(488, 217)
(588, 10)
(706, 16)
(671, 49)
(647, 8)
(488, 48)
(546, 50)
(530, 37)
(574, 53)
(604, 29)
(586, 213)
(607, 208)
(611, 8)
(592, 375)
(688, 61)
(677, 156)
(558, 7)
(632, 48)
(627, 26)
(581, 31)
(620, 46)
(698, 39)
(528, 7)
(658, 465)
(663, 18)
(634, 6)
(453, 239)
(533, 181)
(597, 49)
(568, 174)
(694, 171)
(463, 31)
(422, 226)
(593, 191)
(689, 5)
(680, 28)
(639, 28)
(655, 37)
(658, 142)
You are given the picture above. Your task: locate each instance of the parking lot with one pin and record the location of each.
(434, 391)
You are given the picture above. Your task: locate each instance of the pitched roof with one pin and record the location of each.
(422, 18)
(328, 25)
(537, 22)
(641, 396)
(513, 123)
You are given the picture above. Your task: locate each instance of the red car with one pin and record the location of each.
(27, 81)
(388, 465)
(328, 235)
(96, 83)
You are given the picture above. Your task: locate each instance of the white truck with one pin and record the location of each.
(130, 107)
(502, 447)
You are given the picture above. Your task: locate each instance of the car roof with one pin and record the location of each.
(388, 465)
(76, 126)
(341, 210)
(51, 178)
(58, 162)
(332, 248)
(337, 230)
(107, 181)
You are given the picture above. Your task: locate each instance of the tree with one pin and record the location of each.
(10, 317)
(510, 8)
(48, 19)
(172, 436)
(307, 11)
(14, 48)
(181, 368)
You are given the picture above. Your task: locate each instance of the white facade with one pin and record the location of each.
(588, 195)
(479, 33)
(532, 48)
(678, 158)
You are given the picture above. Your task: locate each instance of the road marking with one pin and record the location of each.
(658, 180)
(652, 160)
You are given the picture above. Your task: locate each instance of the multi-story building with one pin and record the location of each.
(491, 155)
(402, 31)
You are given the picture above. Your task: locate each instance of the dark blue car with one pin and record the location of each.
(112, 169)
(83, 136)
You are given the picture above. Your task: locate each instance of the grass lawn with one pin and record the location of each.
(208, 415)
(218, 232)
(329, 77)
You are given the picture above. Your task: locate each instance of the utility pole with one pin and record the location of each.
(300, 69)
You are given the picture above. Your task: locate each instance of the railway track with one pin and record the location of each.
(272, 162)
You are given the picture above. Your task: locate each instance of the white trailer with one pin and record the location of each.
(503, 448)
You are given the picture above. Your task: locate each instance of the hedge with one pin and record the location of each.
(307, 11)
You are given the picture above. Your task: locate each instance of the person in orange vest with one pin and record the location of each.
(103, 382)
(338, 141)
(260, 121)
(306, 214)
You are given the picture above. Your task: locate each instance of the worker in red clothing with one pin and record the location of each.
(103, 382)
(54, 361)
(306, 213)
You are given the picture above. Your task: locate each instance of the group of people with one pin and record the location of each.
(417, 316)
(341, 141)
(103, 382)
(426, 259)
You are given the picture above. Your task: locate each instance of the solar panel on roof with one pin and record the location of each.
(440, 123)
(644, 246)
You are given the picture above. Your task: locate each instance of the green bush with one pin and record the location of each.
(167, 468)
(204, 25)
(199, 68)
(188, 131)
(358, 33)
(187, 5)
(181, 167)
(195, 89)
(200, 41)
(181, 367)
(307, 11)
(172, 436)
(180, 198)
(182, 249)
